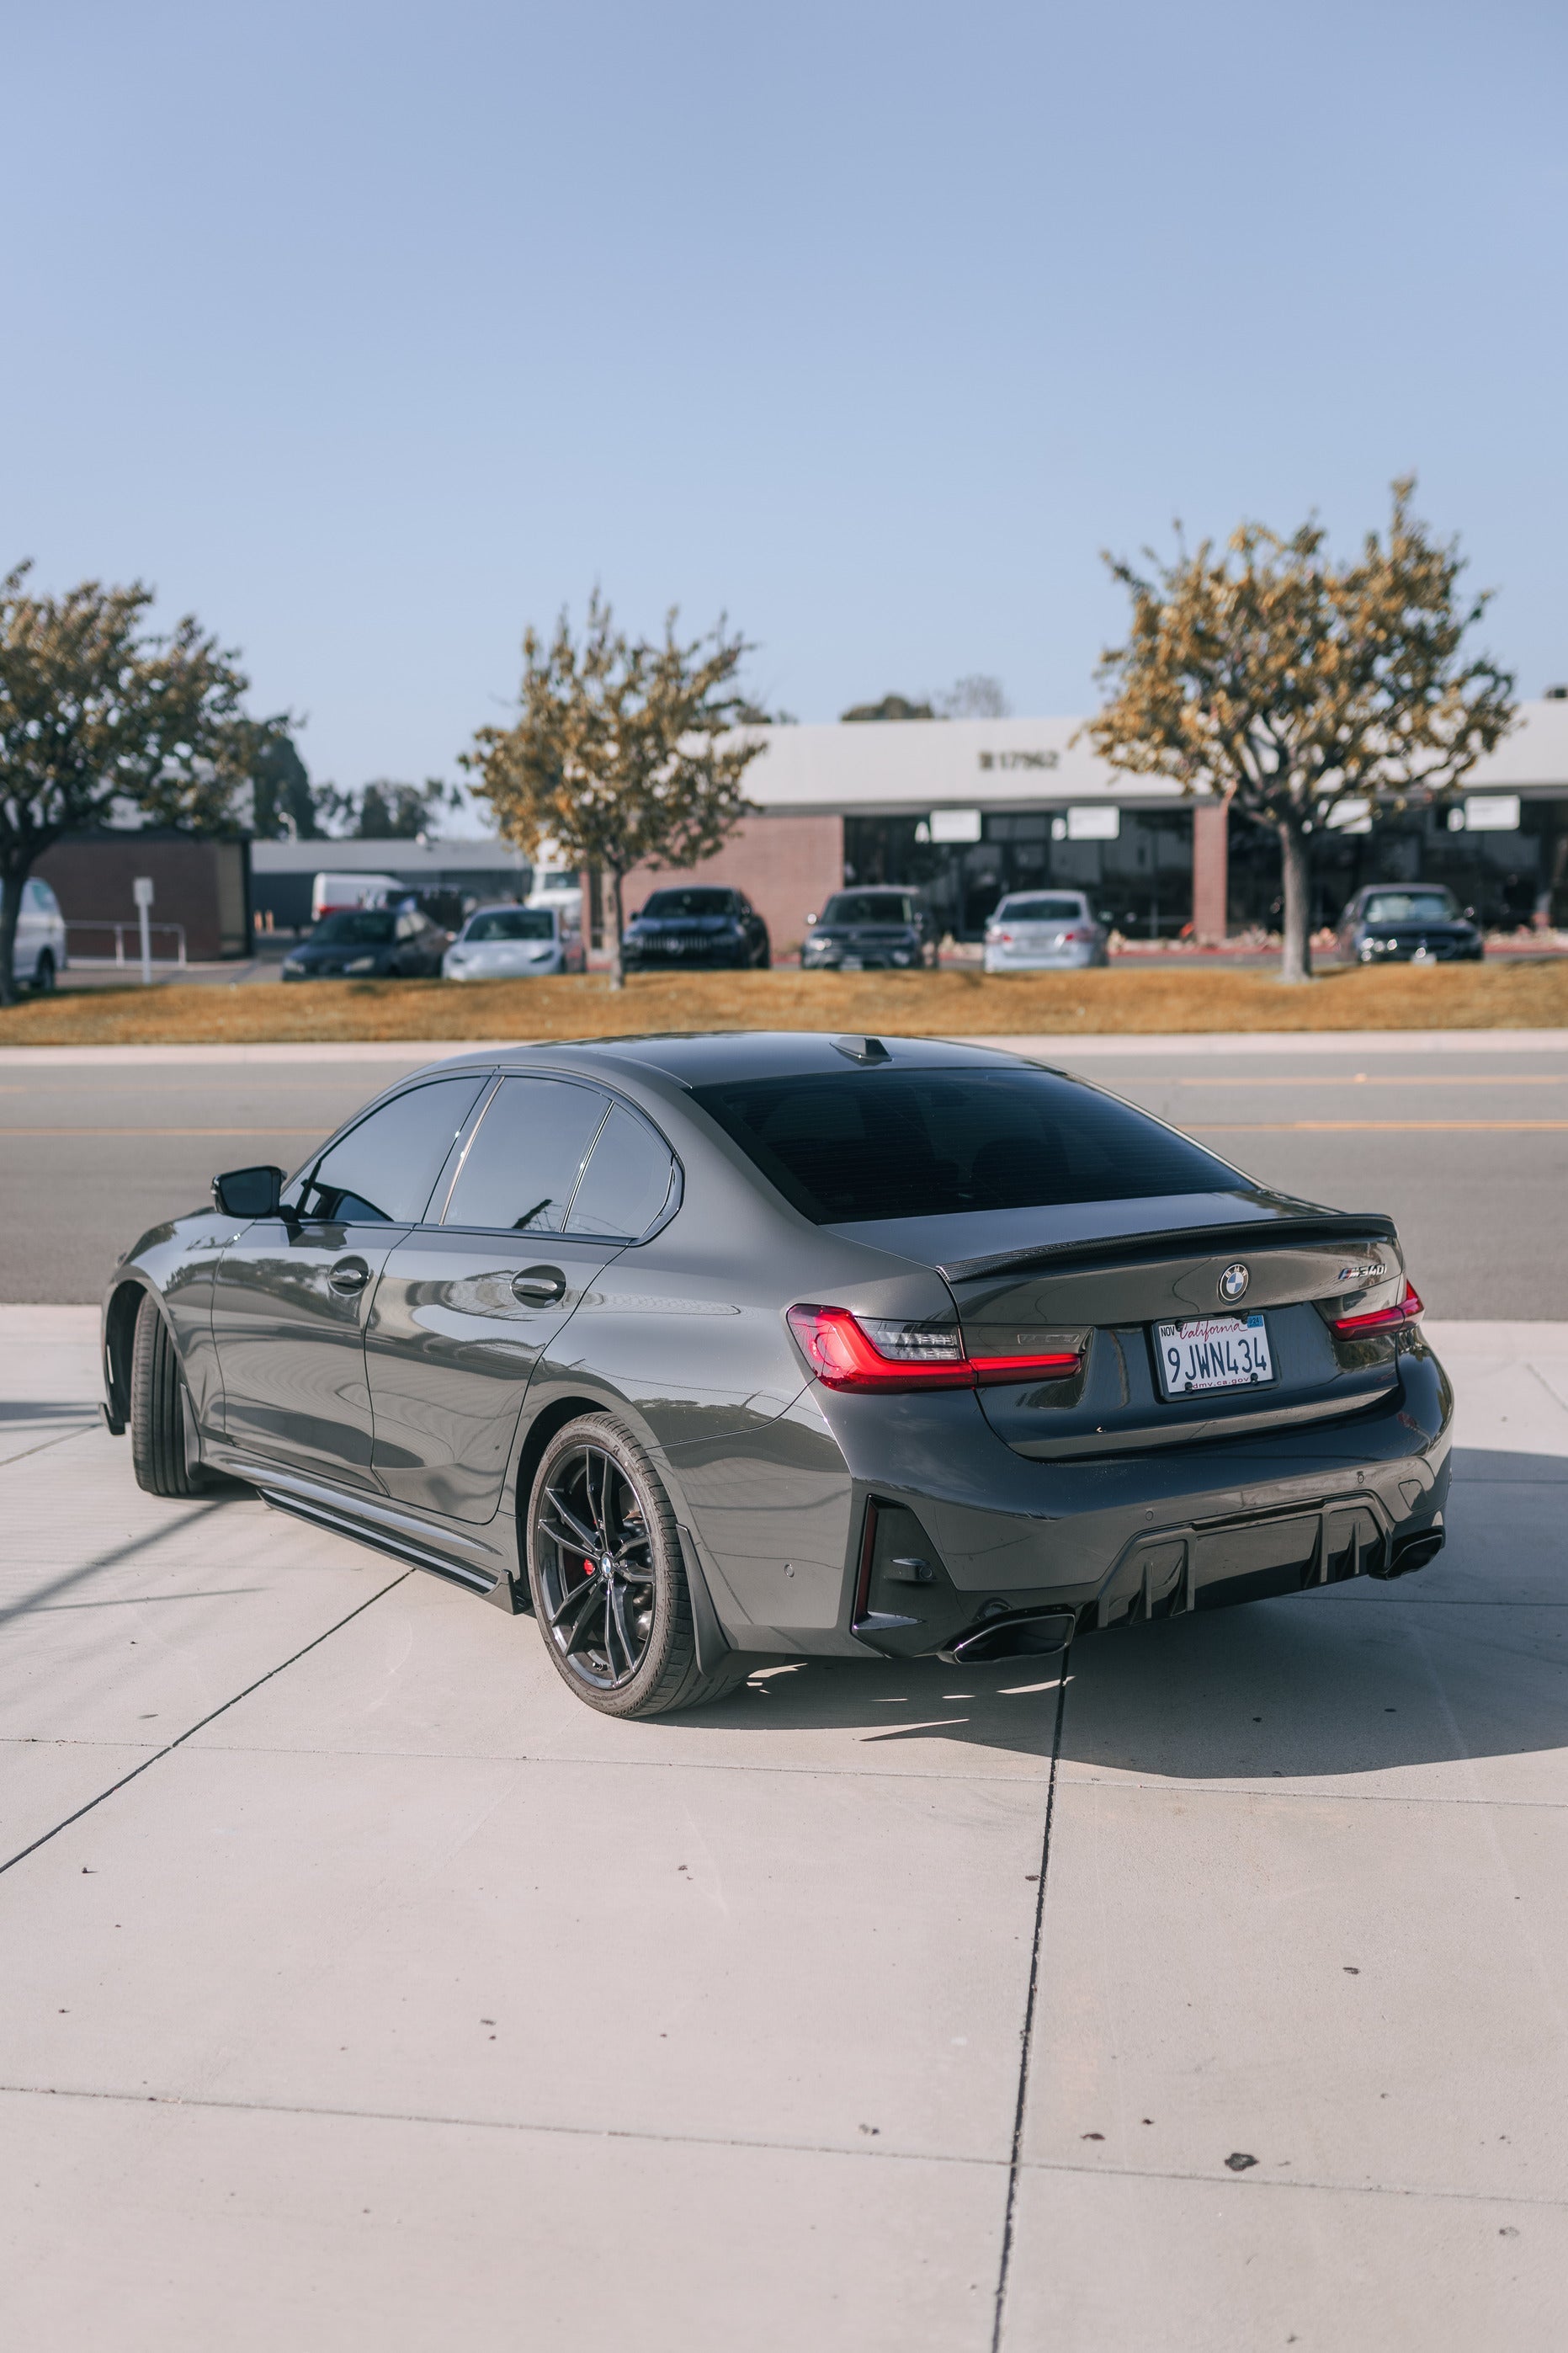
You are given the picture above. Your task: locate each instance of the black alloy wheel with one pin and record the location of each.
(607, 1579)
(44, 974)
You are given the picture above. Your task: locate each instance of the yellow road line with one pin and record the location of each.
(1361, 1126)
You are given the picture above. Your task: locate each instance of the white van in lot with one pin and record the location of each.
(41, 954)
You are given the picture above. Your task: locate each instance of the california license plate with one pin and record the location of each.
(1213, 1352)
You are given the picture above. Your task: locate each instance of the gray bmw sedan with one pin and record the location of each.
(706, 1349)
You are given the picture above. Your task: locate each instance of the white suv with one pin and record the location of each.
(41, 938)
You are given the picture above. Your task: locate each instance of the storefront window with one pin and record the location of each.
(1508, 879)
(1141, 881)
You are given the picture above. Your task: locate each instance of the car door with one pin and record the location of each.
(517, 1235)
(291, 1292)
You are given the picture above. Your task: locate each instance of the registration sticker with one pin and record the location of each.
(1213, 1352)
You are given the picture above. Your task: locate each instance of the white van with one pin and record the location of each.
(331, 891)
(41, 938)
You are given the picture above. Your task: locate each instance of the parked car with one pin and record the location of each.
(369, 942)
(514, 944)
(697, 924)
(708, 1349)
(40, 951)
(871, 929)
(1409, 923)
(1044, 930)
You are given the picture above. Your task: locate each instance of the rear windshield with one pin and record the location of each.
(664, 903)
(1409, 907)
(512, 924)
(356, 927)
(869, 907)
(1037, 911)
(921, 1144)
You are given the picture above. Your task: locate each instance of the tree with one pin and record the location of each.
(976, 697)
(280, 795)
(622, 752)
(1291, 686)
(891, 706)
(385, 811)
(96, 715)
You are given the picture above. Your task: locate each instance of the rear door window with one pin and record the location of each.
(916, 1143)
(526, 1158)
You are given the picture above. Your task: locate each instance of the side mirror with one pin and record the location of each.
(248, 1192)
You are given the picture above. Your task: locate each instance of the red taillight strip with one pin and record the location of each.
(844, 1356)
(1025, 1368)
(1382, 1319)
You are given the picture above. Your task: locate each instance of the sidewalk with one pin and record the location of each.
(362, 1991)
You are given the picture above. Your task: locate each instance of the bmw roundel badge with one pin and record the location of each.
(1233, 1283)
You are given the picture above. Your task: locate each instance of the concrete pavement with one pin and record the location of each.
(361, 1989)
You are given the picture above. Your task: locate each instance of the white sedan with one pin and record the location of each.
(514, 944)
(1043, 931)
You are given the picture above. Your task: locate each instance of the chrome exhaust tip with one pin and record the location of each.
(1035, 1634)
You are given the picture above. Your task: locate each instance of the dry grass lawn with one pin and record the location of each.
(951, 1004)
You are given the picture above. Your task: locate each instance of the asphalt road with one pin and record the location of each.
(1467, 1147)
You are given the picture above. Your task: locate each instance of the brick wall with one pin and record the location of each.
(785, 865)
(202, 884)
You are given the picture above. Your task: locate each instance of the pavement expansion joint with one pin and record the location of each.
(1222, 2179)
(203, 2103)
(1315, 1792)
(1027, 2035)
(147, 1763)
(811, 1772)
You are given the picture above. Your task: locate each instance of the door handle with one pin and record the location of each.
(539, 1286)
(348, 1276)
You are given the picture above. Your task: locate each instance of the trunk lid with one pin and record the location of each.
(1121, 1269)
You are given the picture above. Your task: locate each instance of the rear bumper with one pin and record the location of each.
(1111, 1543)
(1066, 960)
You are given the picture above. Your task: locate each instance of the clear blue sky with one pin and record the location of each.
(371, 332)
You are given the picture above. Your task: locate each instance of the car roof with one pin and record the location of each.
(717, 1058)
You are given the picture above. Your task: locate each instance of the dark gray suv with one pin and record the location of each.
(881, 929)
(1409, 923)
(708, 1349)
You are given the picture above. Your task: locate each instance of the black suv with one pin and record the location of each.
(698, 925)
(1408, 922)
(870, 929)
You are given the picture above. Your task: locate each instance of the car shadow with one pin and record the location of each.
(1468, 1658)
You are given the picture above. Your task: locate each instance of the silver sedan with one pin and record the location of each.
(1035, 931)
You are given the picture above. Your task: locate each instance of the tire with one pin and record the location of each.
(157, 1408)
(44, 974)
(623, 1644)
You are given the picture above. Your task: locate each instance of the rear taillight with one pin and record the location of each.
(847, 1352)
(1406, 1309)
